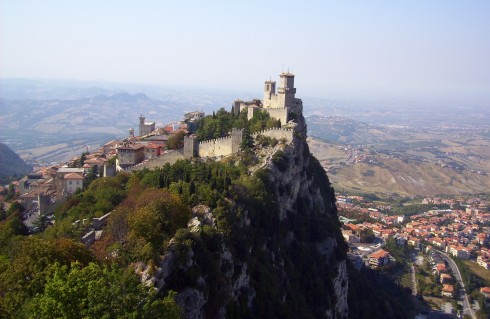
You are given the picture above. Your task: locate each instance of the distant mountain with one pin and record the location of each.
(101, 114)
(11, 164)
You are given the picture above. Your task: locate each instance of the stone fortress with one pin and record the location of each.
(145, 128)
(281, 105)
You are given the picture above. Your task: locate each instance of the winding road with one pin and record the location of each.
(466, 304)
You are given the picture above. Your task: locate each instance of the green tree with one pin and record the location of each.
(82, 158)
(176, 141)
(15, 207)
(247, 141)
(26, 273)
(158, 215)
(98, 292)
(366, 235)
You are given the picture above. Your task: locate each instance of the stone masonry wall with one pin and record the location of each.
(217, 147)
(280, 114)
(277, 133)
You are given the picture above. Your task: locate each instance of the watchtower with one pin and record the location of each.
(236, 139)
(286, 90)
(191, 147)
(142, 125)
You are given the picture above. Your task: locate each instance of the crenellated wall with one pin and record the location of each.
(231, 144)
(277, 133)
(217, 147)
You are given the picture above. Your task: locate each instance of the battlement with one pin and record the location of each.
(279, 105)
(216, 140)
(273, 129)
(277, 133)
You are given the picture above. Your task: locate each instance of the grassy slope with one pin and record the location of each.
(398, 176)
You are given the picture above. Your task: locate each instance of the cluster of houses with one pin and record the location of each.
(41, 191)
(461, 233)
(440, 270)
(151, 142)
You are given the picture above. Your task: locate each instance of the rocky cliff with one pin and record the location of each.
(272, 249)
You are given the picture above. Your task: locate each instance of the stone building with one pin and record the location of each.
(283, 106)
(280, 105)
(145, 128)
(129, 154)
(72, 182)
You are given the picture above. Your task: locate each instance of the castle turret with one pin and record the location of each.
(269, 89)
(131, 132)
(145, 127)
(286, 90)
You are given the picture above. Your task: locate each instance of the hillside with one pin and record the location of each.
(11, 164)
(445, 157)
(252, 235)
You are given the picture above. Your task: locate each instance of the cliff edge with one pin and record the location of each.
(272, 248)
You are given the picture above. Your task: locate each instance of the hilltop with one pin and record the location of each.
(245, 227)
(11, 164)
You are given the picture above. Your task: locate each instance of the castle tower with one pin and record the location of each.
(286, 90)
(269, 91)
(131, 132)
(142, 125)
(191, 147)
(236, 139)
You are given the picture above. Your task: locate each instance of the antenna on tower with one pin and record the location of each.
(282, 69)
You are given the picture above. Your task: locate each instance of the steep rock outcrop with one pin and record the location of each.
(272, 249)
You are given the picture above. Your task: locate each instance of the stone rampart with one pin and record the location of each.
(277, 133)
(279, 113)
(217, 147)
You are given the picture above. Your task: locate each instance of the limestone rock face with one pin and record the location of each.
(267, 269)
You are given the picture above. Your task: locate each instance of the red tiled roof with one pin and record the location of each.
(447, 288)
(73, 176)
(485, 290)
(379, 254)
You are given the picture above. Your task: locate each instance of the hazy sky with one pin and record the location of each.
(358, 49)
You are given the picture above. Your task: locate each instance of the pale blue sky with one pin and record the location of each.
(357, 49)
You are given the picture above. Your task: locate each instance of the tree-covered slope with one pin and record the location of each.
(248, 236)
(11, 164)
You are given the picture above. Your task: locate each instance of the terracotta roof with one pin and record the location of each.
(354, 227)
(485, 290)
(447, 288)
(379, 254)
(73, 176)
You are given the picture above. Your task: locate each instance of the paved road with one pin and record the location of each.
(414, 282)
(467, 309)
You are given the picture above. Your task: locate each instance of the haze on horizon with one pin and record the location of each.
(436, 50)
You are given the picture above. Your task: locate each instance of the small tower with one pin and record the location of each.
(142, 126)
(269, 89)
(191, 147)
(131, 132)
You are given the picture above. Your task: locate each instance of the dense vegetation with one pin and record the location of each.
(220, 123)
(51, 274)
